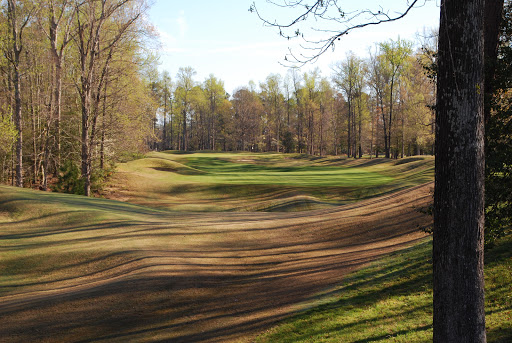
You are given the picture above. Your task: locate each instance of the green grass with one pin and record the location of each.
(52, 240)
(49, 237)
(262, 181)
(391, 301)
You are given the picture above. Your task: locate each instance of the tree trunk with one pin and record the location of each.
(16, 53)
(58, 111)
(86, 158)
(18, 122)
(349, 128)
(390, 123)
(184, 144)
(459, 186)
(386, 143)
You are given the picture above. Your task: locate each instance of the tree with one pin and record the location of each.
(272, 101)
(325, 101)
(377, 80)
(19, 15)
(348, 76)
(166, 98)
(96, 40)
(184, 90)
(498, 144)
(57, 28)
(247, 119)
(459, 191)
(395, 54)
(215, 94)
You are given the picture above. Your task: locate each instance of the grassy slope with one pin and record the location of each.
(49, 239)
(261, 182)
(80, 269)
(391, 301)
(53, 242)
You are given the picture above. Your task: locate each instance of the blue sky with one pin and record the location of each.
(223, 38)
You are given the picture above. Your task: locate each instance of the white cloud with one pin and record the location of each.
(181, 21)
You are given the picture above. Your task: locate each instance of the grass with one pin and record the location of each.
(152, 274)
(261, 181)
(88, 269)
(391, 301)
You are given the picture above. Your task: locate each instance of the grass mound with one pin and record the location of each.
(209, 181)
(88, 269)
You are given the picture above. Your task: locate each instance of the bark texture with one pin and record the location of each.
(458, 254)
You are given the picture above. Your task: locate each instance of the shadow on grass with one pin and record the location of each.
(367, 311)
(202, 278)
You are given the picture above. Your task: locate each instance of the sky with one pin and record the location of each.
(225, 39)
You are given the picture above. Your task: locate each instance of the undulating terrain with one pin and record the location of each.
(205, 247)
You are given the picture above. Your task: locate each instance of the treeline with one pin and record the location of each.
(381, 105)
(73, 88)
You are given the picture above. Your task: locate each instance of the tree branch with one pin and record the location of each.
(323, 10)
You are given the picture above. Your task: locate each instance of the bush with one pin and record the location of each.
(69, 179)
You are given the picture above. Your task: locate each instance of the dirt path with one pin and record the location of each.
(207, 277)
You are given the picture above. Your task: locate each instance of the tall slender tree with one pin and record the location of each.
(96, 46)
(395, 55)
(185, 85)
(19, 15)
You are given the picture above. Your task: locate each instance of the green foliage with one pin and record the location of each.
(288, 142)
(8, 135)
(69, 179)
(100, 177)
(498, 195)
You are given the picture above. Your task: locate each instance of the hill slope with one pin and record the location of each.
(92, 270)
(261, 181)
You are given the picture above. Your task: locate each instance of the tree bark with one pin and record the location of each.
(458, 253)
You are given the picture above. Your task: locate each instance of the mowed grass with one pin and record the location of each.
(150, 273)
(261, 182)
(86, 269)
(391, 301)
(47, 239)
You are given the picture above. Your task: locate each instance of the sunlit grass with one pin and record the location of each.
(262, 181)
(391, 301)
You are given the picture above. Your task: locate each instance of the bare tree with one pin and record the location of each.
(59, 15)
(326, 15)
(19, 15)
(348, 75)
(96, 46)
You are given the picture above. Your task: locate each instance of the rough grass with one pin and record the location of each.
(261, 182)
(391, 301)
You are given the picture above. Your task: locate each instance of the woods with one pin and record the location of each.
(378, 106)
(73, 85)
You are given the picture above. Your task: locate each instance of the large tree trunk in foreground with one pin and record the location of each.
(458, 254)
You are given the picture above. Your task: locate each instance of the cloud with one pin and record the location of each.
(181, 21)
